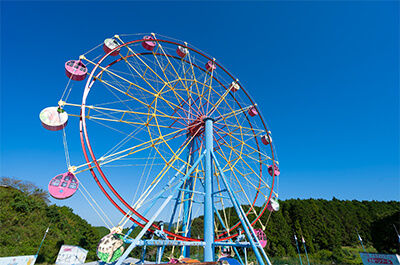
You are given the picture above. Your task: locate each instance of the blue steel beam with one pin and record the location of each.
(251, 236)
(187, 203)
(223, 226)
(208, 199)
(154, 242)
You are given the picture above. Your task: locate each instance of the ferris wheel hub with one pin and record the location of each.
(196, 127)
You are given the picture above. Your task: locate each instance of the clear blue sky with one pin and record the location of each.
(325, 75)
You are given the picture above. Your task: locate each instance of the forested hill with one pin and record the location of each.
(328, 227)
(24, 217)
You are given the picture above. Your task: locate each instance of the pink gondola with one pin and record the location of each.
(148, 44)
(109, 45)
(234, 86)
(63, 186)
(182, 51)
(261, 237)
(75, 70)
(273, 205)
(53, 118)
(253, 111)
(274, 170)
(210, 66)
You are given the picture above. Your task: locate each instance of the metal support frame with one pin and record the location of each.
(208, 244)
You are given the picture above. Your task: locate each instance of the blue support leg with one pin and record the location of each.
(251, 236)
(159, 254)
(223, 226)
(143, 253)
(208, 199)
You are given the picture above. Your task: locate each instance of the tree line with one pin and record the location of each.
(329, 227)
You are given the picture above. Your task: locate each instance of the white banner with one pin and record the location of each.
(376, 258)
(70, 255)
(18, 260)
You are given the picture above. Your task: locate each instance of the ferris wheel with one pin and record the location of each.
(169, 135)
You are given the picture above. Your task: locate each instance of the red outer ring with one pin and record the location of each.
(83, 134)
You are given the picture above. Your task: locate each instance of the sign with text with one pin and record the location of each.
(376, 258)
(70, 255)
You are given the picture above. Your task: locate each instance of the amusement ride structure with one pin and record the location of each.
(168, 125)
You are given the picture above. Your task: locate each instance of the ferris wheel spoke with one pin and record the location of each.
(237, 181)
(165, 82)
(222, 131)
(117, 76)
(104, 111)
(231, 114)
(248, 167)
(229, 161)
(205, 88)
(142, 74)
(126, 91)
(239, 157)
(163, 68)
(194, 101)
(177, 109)
(221, 98)
(247, 145)
(168, 165)
(243, 134)
(171, 151)
(126, 122)
(186, 88)
(196, 82)
(224, 121)
(155, 94)
(193, 83)
(183, 101)
(141, 61)
(153, 143)
(189, 113)
(161, 113)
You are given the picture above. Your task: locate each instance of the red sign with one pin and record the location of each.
(379, 261)
(377, 258)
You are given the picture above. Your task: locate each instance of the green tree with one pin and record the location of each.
(25, 216)
(383, 233)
